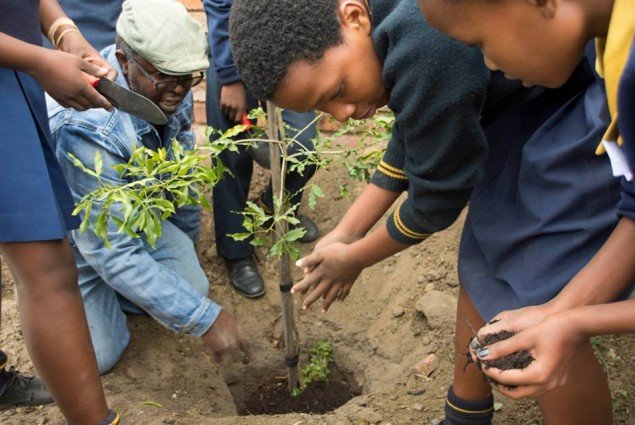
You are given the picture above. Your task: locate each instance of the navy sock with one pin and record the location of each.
(464, 412)
(112, 418)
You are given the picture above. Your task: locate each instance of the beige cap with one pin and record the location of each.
(165, 35)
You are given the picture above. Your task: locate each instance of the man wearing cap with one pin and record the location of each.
(160, 53)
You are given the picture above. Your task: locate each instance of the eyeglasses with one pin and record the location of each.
(186, 81)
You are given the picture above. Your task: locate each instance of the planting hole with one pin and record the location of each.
(273, 396)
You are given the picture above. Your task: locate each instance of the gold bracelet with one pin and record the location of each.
(59, 39)
(57, 24)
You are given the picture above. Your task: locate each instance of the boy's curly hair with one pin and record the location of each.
(268, 36)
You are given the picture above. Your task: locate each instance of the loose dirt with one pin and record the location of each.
(393, 335)
(519, 360)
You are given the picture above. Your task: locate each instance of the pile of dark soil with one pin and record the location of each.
(518, 360)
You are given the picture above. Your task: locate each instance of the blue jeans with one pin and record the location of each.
(105, 308)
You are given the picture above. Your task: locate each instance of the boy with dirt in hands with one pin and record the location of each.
(460, 131)
(538, 43)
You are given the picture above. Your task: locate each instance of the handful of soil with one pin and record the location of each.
(518, 360)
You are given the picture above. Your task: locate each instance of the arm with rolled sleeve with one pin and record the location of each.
(127, 267)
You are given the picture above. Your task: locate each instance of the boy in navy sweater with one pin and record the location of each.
(226, 102)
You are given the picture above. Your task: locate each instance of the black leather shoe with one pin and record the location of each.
(312, 231)
(245, 277)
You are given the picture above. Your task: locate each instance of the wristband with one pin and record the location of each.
(56, 25)
(59, 39)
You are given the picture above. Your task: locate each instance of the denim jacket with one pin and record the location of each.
(127, 267)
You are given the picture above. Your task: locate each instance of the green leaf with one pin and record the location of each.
(276, 250)
(259, 241)
(150, 229)
(294, 252)
(151, 403)
(85, 223)
(99, 163)
(240, 236)
(80, 165)
(234, 131)
(294, 234)
(316, 192)
(205, 202)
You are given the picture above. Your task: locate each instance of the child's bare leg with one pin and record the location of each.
(469, 382)
(469, 400)
(585, 399)
(55, 329)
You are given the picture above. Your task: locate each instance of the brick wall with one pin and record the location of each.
(195, 7)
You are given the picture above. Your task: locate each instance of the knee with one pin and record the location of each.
(55, 277)
(105, 363)
(109, 351)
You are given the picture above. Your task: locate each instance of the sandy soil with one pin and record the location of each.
(378, 334)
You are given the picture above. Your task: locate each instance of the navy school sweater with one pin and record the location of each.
(437, 89)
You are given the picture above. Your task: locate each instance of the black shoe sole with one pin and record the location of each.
(250, 296)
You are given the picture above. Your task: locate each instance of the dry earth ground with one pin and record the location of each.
(378, 333)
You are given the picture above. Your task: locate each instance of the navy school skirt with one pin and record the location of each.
(35, 201)
(545, 206)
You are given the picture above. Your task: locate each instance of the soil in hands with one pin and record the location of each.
(518, 360)
(273, 397)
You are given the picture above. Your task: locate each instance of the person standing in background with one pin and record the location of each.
(227, 101)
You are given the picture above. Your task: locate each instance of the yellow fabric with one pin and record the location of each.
(391, 171)
(612, 54)
(469, 412)
(116, 420)
(404, 229)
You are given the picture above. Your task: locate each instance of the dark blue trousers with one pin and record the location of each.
(231, 194)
